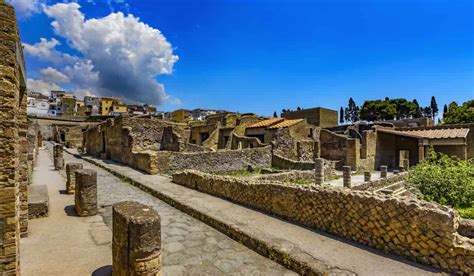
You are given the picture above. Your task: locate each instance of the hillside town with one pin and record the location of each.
(100, 186)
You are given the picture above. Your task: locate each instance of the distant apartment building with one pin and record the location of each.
(319, 116)
(37, 104)
(201, 114)
(62, 103)
(92, 105)
(136, 109)
(107, 106)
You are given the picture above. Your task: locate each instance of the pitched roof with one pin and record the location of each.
(445, 133)
(286, 123)
(266, 123)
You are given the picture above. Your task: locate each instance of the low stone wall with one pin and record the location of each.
(381, 182)
(288, 164)
(466, 228)
(154, 162)
(418, 230)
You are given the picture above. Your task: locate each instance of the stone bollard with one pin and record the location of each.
(58, 150)
(58, 163)
(136, 244)
(319, 171)
(86, 192)
(396, 171)
(383, 171)
(367, 176)
(71, 177)
(346, 176)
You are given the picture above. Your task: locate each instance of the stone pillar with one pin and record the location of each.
(71, 177)
(317, 149)
(136, 245)
(406, 164)
(86, 192)
(383, 171)
(421, 152)
(319, 171)
(40, 140)
(58, 159)
(346, 176)
(367, 176)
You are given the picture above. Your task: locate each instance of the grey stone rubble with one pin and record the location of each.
(319, 252)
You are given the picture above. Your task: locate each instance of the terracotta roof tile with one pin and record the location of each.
(266, 123)
(430, 133)
(286, 123)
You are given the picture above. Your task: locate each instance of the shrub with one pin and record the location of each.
(444, 180)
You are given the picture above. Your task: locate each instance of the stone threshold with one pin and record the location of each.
(280, 251)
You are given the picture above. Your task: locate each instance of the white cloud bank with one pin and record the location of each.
(122, 56)
(25, 8)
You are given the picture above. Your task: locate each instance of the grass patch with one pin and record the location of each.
(467, 213)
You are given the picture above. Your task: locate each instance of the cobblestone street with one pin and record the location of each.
(190, 247)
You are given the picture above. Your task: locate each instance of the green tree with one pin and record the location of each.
(416, 110)
(445, 109)
(434, 107)
(353, 111)
(458, 114)
(275, 114)
(341, 115)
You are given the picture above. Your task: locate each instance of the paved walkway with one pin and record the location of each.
(321, 251)
(190, 247)
(62, 243)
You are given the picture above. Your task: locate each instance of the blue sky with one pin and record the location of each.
(261, 56)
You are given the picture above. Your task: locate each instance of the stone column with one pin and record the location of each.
(383, 171)
(319, 171)
(58, 157)
(71, 177)
(406, 164)
(421, 152)
(346, 176)
(40, 140)
(136, 245)
(367, 176)
(86, 192)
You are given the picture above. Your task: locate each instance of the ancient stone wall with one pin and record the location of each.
(418, 230)
(305, 150)
(289, 164)
(13, 144)
(244, 142)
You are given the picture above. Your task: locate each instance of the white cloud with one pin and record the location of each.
(25, 8)
(122, 55)
(45, 50)
(41, 86)
(52, 75)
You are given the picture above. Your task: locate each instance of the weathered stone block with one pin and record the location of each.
(136, 241)
(86, 192)
(38, 201)
(71, 177)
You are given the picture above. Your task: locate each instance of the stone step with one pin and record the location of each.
(38, 201)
